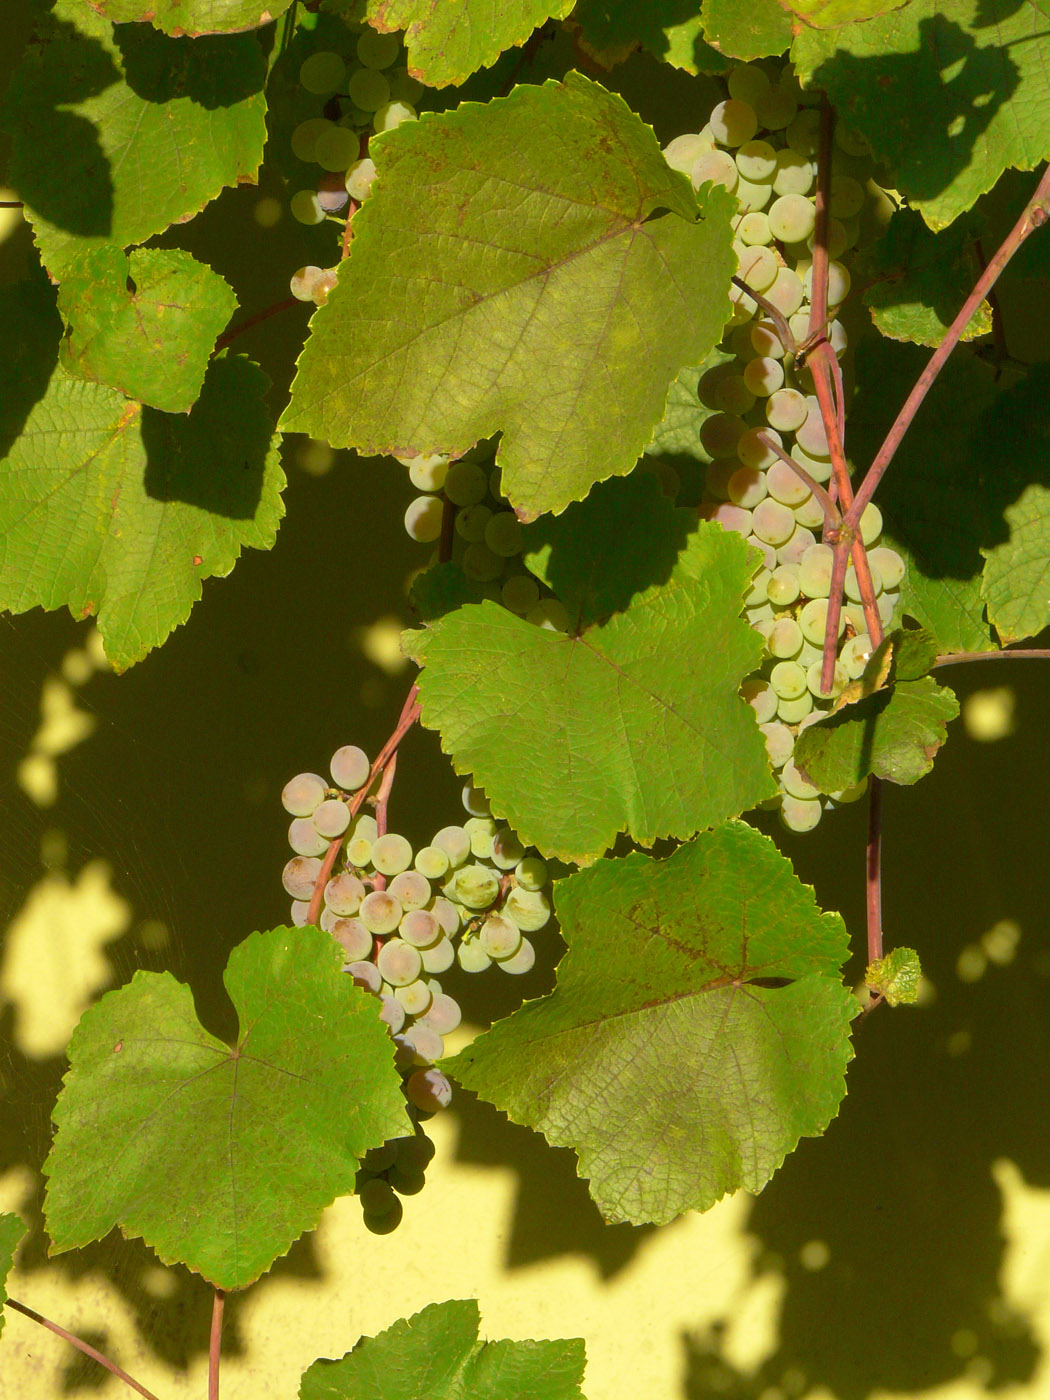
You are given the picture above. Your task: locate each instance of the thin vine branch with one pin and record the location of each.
(873, 870)
(215, 1344)
(787, 338)
(831, 512)
(230, 335)
(81, 1345)
(953, 658)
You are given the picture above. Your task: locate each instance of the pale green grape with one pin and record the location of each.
(377, 50)
(811, 436)
(305, 135)
(412, 889)
(465, 483)
(792, 550)
(720, 434)
(838, 238)
(355, 939)
(855, 655)
(772, 522)
(788, 680)
(747, 486)
(851, 794)
(838, 283)
(302, 282)
(765, 340)
(369, 89)
(531, 873)
(343, 894)
(763, 376)
(550, 615)
(381, 912)
(786, 410)
(522, 961)
(803, 133)
(847, 196)
(337, 149)
(776, 109)
(780, 742)
(794, 174)
(887, 605)
(475, 803)
(300, 910)
(392, 115)
(365, 825)
(429, 1090)
(760, 696)
(350, 768)
(305, 839)
(359, 178)
(503, 534)
(732, 394)
(815, 571)
(840, 679)
(480, 564)
(758, 592)
(792, 781)
(500, 937)
(432, 862)
(303, 794)
(756, 161)
(322, 73)
(784, 640)
(753, 228)
(366, 975)
(332, 817)
(471, 522)
(733, 123)
(794, 711)
(476, 886)
(359, 851)
(748, 83)
(455, 842)
(852, 584)
(428, 470)
(730, 517)
(520, 593)
(754, 452)
(889, 564)
(423, 519)
(482, 832)
(684, 151)
(448, 914)
(391, 854)
(758, 267)
(398, 961)
(870, 526)
(784, 585)
(507, 850)
(752, 196)
(714, 168)
(800, 815)
(419, 927)
(439, 956)
(415, 997)
(529, 909)
(819, 468)
(813, 620)
(471, 956)
(792, 218)
(810, 513)
(786, 486)
(300, 875)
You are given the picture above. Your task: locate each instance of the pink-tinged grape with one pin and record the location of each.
(391, 854)
(300, 876)
(786, 486)
(305, 136)
(684, 151)
(355, 939)
(756, 161)
(754, 451)
(762, 699)
(531, 873)
(733, 123)
(747, 486)
(720, 434)
(780, 742)
(343, 894)
(786, 410)
(550, 615)
(870, 524)
(889, 564)
(754, 229)
(366, 975)
(299, 912)
(368, 89)
(429, 1090)
(465, 484)
(819, 468)
(785, 639)
(792, 218)
(811, 436)
(349, 769)
(431, 862)
(499, 937)
(791, 552)
(799, 815)
(476, 886)
(788, 680)
(794, 711)
(772, 522)
(331, 818)
(423, 518)
(301, 284)
(392, 115)
(425, 1040)
(840, 679)
(786, 292)
(443, 1014)
(520, 593)
(522, 961)
(420, 928)
(810, 514)
(529, 909)
(503, 534)
(415, 997)
(306, 207)
(455, 842)
(303, 794)
(730, 517)
(471, 522)
(471, 956)
(776, 109)
(377, 50)
(714, 168)
(783, 587)
(411, 888)
(360, 176)
(507, 850)
(380, 911)
(813, 621)
(763, 376)
(305, 839)
(399, 962)
(322, 73)
(391, 1013)
(765, 340)
(336, 150)
(439, 957)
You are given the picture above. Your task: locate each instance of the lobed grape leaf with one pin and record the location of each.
(985, 94)
(542, 295)
(678, 432)
(447, 42)
(1016, 582)
(698, 1029)
(918, 280)
(893, 734)
(110, 508)
(896, 976)
(829, 14)
(436, 1353)
(118, 133)
(193, 17)
(276, 1123)
(12, 1228)
(757, 29)
(671, 30)
(144, 324)
(633, 721)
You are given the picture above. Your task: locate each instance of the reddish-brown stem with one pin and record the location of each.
(215, 1344)
(778, 318)
(873, 870)
(80, 1345)
(953, 658)
(831, 514)
(383, 796)
(228, 336)
(11, 204)
(1035, 214)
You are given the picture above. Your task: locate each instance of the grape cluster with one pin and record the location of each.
(487, 539)
(402, 917)
(360, 96)
(761, 144)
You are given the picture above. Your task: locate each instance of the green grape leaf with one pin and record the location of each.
(219, 1157)
(914, 654)
(896, 976)
(144, 324)
(446, 43)
(12, 1228)
(118, 133)
(757, 29)
(829, 14)
(947, 454)
(193, 17)
(671, 30)
(442, 589)
(631, 723)
(1016, 584)
(918, 280)
(436, 1353)
(678, 432)
(716, 961)
(983, 84)
(110, 508)
(559, 304)
(894, 734)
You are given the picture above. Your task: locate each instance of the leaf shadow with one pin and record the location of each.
(212, 70)
(28, 358)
